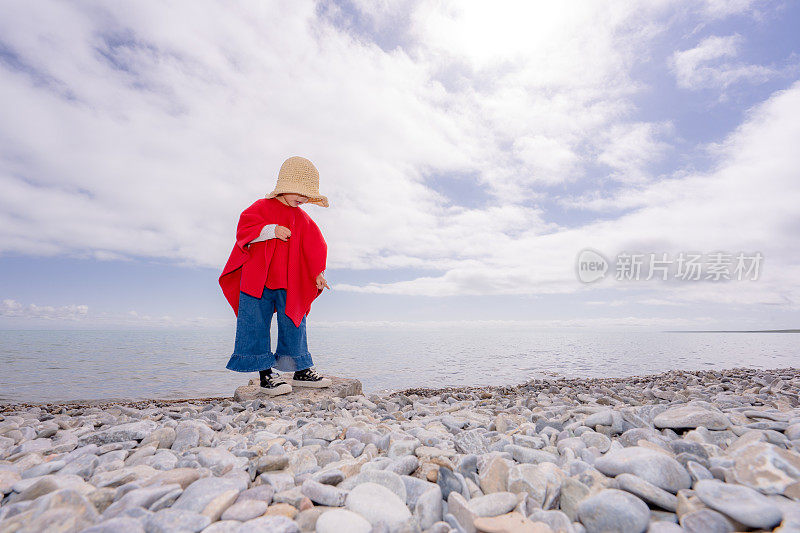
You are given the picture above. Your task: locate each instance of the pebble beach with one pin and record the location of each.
(693, 451)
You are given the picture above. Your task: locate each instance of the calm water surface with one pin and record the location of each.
(39, 366)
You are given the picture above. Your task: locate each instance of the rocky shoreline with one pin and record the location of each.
(695, 451)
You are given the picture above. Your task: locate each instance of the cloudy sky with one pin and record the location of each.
(470, 152)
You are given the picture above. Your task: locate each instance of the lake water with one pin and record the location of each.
(41, 366)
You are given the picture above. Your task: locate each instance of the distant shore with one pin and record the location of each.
(733, 331)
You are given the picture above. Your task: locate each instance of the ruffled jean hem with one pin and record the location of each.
(280, 362)
(250, 362)
(292, 363)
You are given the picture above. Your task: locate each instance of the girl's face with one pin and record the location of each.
(293, 200)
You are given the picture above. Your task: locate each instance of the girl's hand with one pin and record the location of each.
(321, 282)
(283, 233)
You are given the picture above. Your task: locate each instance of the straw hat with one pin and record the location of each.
(298, 175)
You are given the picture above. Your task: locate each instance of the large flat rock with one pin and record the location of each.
(340, 387)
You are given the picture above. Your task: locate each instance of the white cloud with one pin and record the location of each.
(14, 309)
(630, 149)
(143, 132)
(724, 8)
(14, 313)
(745, 204)
(549, 160)
(705, 65)
(130, 135)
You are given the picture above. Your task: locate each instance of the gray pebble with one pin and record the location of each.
(613, 510)
(169, 520)
(741, 503)
(322, 494)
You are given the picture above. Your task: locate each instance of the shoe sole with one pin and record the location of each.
(277, 391)
(324, 382)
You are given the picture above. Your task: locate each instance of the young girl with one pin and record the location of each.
(277, 265)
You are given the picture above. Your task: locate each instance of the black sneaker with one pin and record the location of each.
(273, 384)
(310, 378)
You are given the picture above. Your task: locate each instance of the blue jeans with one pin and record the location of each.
(251, 351)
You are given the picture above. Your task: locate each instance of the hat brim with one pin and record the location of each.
(317, 199)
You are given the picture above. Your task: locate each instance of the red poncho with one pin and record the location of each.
(246, 269)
